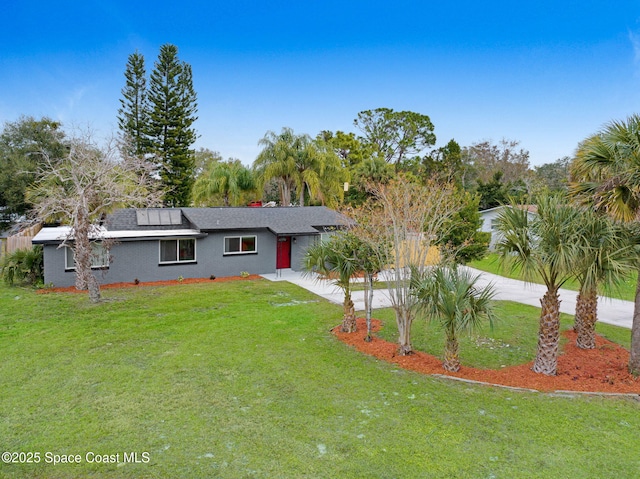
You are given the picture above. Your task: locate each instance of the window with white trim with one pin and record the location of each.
(324, 237)
(99, 257)
(178, 251)
(240, 244)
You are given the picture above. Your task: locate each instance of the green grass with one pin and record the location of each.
(377, 284)
(235, 380)
(491, 264)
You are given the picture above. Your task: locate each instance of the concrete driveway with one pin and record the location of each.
(611, 311)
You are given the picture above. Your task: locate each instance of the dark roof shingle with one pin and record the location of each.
(281, 220)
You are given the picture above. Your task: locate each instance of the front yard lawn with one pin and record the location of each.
(243, 379)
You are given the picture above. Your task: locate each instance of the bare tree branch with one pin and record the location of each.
(408, 218)
(81, 189)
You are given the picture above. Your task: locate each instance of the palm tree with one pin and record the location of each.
(229, 179)
(546, 245)
(606, 174)
(336, 258)
(370, 170)
(329, 171)
(605, 259)
(300, 163)
(277, 160)
(22, 265)
(452, 296)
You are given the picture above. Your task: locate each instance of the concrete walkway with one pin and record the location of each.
(611, 311)
(327, 290)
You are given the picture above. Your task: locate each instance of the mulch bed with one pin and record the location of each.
(174, 282)
(603, 369)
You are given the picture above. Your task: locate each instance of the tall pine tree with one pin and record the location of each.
(172, 109)
(133, 116)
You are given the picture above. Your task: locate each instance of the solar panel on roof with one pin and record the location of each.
(154, 217)
(159, 217)
(175, 216)
(142, 217)
(165, 219)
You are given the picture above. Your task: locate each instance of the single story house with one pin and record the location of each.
(157, 244)
(489, 219)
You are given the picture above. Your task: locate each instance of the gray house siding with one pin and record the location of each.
(261, 262)
(140, 259)
(130, 260)
(54, 272)
(145, 255)
(298, 249)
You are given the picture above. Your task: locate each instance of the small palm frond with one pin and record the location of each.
(336, 258)
(584, 191)
(453, 296)
(316, 260)
(609, 163)
(545, 245)
(607, 251)
(619, 201)
(517, 243)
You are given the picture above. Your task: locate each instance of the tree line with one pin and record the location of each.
(291, 169)
(156, 123)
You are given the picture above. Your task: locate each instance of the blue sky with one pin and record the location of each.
(546, 73)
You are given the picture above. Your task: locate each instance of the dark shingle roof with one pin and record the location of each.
(283, 220)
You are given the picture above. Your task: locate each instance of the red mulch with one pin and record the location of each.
(603, 369)
(173, 282)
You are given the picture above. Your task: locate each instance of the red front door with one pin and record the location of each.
(283, 252)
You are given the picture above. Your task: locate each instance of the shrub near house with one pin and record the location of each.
(22, 266)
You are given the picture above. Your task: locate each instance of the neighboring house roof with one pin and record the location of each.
(150, 223)
(529, 208)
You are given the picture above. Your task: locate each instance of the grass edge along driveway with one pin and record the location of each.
(626, 290)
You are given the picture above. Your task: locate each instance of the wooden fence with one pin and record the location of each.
(22, 240)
